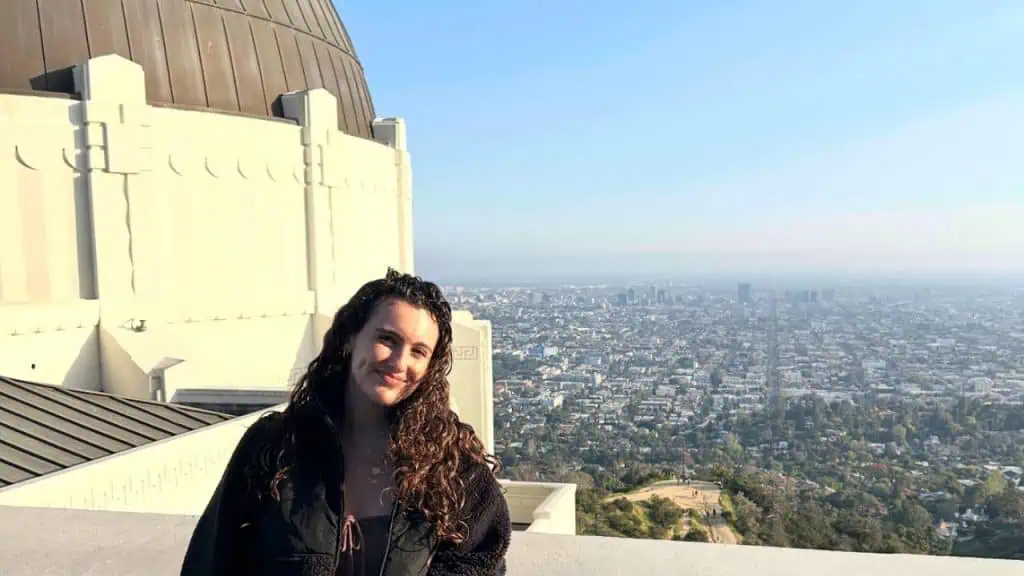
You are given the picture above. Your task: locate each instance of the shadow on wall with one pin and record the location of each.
(83, 205)
(59, 80)
(307, 350)
(121, 374)
(84, 371)
(65, 357)
(223, 355)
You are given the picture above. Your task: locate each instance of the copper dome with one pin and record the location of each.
(224, 55)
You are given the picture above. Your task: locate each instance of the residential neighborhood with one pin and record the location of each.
(822, 389)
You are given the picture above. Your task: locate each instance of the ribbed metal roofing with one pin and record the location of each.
(221, 55)
(45, 429)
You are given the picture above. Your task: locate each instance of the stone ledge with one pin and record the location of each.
(545, 507)
(42, 542)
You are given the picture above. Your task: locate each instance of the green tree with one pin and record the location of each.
(994, 485)
(697, 533)
(899, 435)
(716, 378)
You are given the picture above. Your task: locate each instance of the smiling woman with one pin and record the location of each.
(368, 470)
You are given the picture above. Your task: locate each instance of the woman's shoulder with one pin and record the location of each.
(482, 488)
(487, 518)
(259, 433)
(476, 473)
(266, 426)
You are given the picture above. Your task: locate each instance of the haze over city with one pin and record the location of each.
(705, 138)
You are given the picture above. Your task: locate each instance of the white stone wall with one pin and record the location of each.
(548, 507)
(76, 542)
(472, 379)
(231, 239)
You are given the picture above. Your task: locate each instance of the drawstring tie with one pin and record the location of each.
(351, 534)
(352, 540)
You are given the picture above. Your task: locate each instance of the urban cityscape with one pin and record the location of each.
(735, 287)
(875, 418)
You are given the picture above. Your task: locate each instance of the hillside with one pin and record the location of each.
(664, 510)
(704, 498)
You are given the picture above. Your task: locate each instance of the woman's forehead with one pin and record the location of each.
(411, 323)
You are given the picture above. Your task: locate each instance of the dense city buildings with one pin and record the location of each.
(832, 388)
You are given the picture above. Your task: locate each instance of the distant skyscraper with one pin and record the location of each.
(743, 293)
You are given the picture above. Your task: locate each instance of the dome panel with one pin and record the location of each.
(224, 55)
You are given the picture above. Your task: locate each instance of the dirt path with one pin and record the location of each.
(722, 532)
(700, 496)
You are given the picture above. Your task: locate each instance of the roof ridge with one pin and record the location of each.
(177, 407)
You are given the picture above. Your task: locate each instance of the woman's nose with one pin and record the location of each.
(398, 360)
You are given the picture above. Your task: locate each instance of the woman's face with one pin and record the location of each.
(391, 353)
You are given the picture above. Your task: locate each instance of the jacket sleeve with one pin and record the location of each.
(482, 553)
(214, 547)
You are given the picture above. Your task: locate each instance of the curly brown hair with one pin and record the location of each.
(429, 445)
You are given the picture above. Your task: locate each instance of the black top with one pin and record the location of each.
(367, 558)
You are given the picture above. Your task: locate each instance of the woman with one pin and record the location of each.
(367, 471)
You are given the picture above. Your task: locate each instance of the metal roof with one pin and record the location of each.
(223, 56)
(45, 428)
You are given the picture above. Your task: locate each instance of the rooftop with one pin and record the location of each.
(117, 543)
(45, 429)
(223, 56)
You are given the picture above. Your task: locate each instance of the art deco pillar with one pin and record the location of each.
(472, 378)
(116, 133)
(316, 111)
(391, 132)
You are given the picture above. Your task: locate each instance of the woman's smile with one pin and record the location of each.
(390, 379)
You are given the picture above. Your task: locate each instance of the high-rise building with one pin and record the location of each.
(743, 293)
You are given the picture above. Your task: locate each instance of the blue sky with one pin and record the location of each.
(581, 135)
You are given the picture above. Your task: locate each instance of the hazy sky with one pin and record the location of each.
(705, 135)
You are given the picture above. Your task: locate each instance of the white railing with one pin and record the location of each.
(547, 507)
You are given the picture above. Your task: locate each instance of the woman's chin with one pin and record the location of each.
(386, 396)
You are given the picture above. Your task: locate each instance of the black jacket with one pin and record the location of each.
(299, 533)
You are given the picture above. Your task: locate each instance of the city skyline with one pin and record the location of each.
(874, 136)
